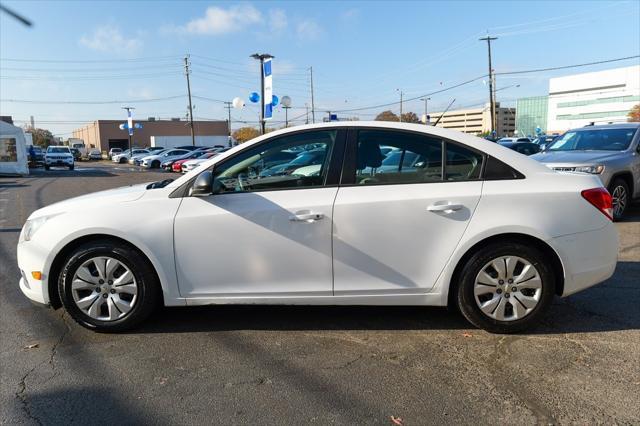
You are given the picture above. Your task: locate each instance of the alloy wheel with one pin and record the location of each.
(508, 288)
(104, 288)
(619, 199)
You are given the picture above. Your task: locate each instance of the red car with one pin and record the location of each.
(176, 166)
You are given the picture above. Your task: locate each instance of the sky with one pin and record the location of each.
(114, 53)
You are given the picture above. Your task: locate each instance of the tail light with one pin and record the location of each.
(600, 199)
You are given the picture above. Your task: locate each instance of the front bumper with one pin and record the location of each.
(32, 257)
(588, 258)
(59, 162)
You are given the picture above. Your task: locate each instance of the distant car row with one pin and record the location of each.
(180, 159)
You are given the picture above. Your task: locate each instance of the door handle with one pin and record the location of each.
(445, 208)
(305, 216)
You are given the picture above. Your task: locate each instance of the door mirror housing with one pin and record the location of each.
(203, 185)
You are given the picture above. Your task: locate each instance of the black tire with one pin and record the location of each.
(47, 167)
(617, 187)
(122, 160)
(155, 164)
(465, 297)
(71, 167)
(148, 292)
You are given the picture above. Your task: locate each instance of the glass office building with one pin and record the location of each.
(531, 113)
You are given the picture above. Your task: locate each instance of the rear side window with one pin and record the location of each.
(497, 170)
(462, 163)
(388, 157)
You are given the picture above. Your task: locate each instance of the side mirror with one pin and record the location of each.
(203, 185)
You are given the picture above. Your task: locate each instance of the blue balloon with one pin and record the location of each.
(254, 97)
(275, 100)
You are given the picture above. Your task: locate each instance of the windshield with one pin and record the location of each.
(594, 140)
(58, 150)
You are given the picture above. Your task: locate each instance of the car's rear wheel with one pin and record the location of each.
(619, 191)
(108, 287)
(505, 288)
(122, 160)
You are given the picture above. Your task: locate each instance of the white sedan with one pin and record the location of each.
(124, 157)
(471, 225)
(153, 161)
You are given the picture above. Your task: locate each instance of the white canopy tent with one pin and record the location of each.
(13, 150)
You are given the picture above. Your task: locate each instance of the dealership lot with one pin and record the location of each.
(298, 365)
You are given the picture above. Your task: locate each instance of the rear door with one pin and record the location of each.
(395, 229)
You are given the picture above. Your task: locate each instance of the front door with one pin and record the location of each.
(400, 214)
(268, 231)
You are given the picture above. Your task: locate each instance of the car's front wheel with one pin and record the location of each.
(108, 286)
(505, 288)
(619, 191)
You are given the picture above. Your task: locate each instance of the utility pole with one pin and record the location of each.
(261, 57)
(492, 100)
(186, 71)
(426, 116)
(129, 128)
(227, 105)
(400, 104)
(313, 105)
(306, 105)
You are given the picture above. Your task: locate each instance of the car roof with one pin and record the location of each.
(520, 162)
(608, 126)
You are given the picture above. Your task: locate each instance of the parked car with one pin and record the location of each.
(35, 155)
(77, 155)
(126, 155)
(95, 154)
(305, 158)
(610, 151)
(544, 140)
(526, 148)
(137, 158)
(155, 148)
(153, 161)
(513, 140)
(167, 165)
(491, 232)
(58, 156)
(114, 151)
(185, 166)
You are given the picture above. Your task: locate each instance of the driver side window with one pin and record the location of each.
(295, 161)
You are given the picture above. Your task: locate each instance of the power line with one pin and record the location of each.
(31, 101)
(93, 61)
(568, 66)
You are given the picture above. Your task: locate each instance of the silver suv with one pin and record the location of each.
(611, 151)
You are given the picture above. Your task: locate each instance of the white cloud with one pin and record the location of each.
(109, 39)
(308, 30)
(350, 14)
(222, 21)
(277, 20)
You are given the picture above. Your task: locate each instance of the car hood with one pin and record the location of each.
(93, 200)
(578, 157)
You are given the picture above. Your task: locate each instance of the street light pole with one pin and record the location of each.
(187, 72)
(261, 57)
(426, 119)
(227, 105)
(286, 115)
(129, 128)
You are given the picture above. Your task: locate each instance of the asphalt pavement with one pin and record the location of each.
(323, 365)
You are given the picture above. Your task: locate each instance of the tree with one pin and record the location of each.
(634, 114)
(41, 137)
(386, 116)
(410, 117)
(244, 134)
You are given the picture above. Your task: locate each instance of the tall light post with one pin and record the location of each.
(261, 57)
(398, 90)
(129, 127)
(426, 116)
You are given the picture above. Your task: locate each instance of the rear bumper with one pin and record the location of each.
(588, 258)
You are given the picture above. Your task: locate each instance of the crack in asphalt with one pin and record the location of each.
(22, 393)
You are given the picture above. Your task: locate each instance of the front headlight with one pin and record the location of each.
(31, 227)
(596, 170)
